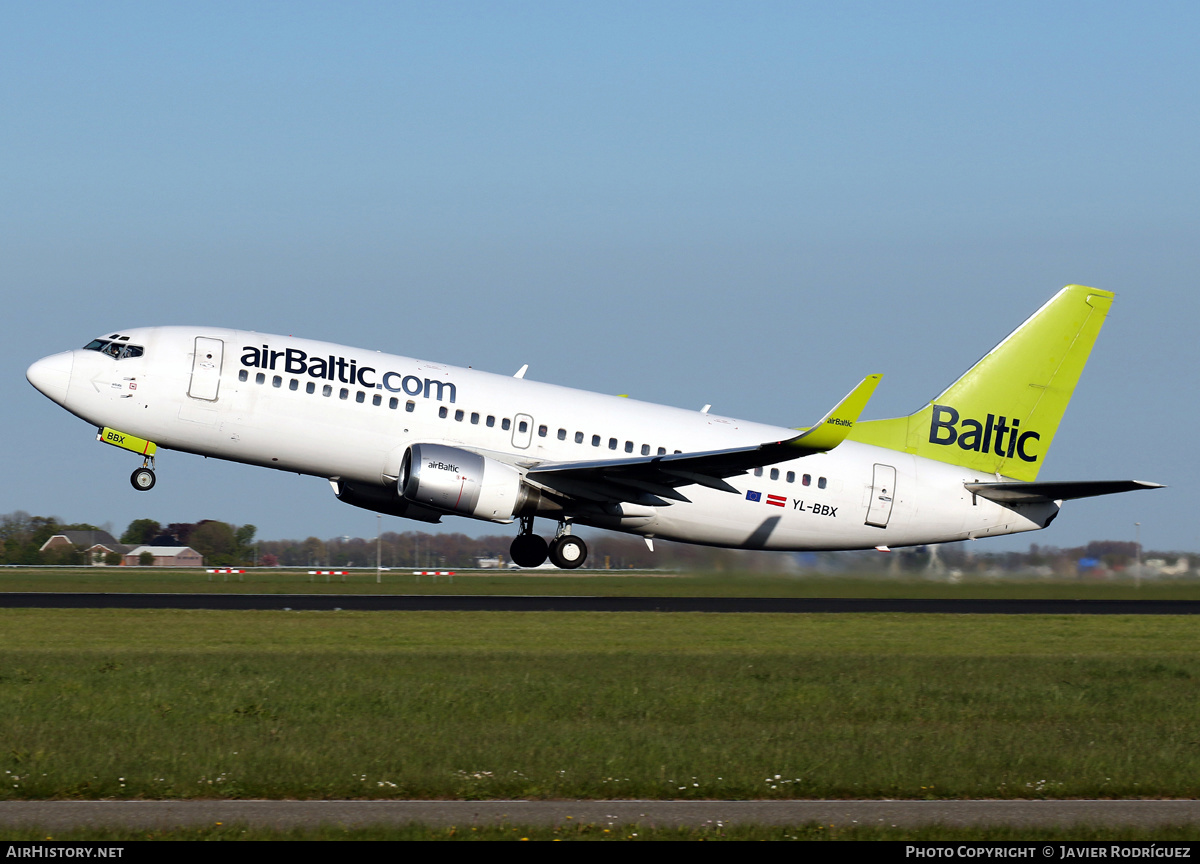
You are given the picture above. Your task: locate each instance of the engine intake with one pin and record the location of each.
(459, 481)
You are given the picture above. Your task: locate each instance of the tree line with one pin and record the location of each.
(22, 537)
(224, 544)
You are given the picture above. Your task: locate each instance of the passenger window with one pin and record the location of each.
(474, 418)
(360, 397)
(791, 476)
(327, 390)
(578, 437)
(310, 387)
(595, 440)
(443, 412)
(408, 406)
(562, 434)
(260, 378)
(806, 480)
(343, 393)
(612, 443)
(645, 449)
(542, 430)
(377, 399)
(522, 427)
(821, 483)
(243, 375)
(458, 415)
(774, 473)
(662, 451)
(758, 472)
(505, 424)
(276, 382)
(394, 403)
(293, 384)
(491, 421)
(628, 446)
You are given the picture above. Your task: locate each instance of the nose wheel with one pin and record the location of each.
(142, 479)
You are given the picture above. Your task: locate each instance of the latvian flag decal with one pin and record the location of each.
(777, 500)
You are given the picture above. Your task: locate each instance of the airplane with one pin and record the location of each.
(424, 440)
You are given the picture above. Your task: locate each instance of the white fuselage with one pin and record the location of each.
(251, 402)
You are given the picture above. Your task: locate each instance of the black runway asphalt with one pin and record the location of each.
(60, 815)
(514, 603)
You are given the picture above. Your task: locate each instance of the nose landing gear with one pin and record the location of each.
(143, 478)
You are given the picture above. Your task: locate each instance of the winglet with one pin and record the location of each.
(832, 429)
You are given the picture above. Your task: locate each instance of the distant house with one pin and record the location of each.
(166, 556)
(95, 544)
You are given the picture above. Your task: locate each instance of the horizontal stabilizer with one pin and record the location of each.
(1029, 493)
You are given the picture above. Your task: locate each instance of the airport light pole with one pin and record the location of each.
(1137, 572)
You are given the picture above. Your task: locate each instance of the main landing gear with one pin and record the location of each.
(565, 551)
(143, 478)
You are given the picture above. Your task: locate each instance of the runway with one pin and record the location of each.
(521, 603)
(59, 815)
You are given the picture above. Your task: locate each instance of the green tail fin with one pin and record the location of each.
(1001, 416)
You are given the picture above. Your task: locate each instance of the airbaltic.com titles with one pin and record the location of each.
(347, 371)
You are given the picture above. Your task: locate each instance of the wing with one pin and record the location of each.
(652, 480)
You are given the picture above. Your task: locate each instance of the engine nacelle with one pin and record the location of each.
(381, 499)
(459, 481)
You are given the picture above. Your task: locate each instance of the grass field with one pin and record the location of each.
(599, 582)
(162, 704)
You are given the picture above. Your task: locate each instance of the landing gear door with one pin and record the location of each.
(883, 490)
(206, 369)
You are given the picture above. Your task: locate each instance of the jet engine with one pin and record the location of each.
(381, 499)
(459, 481)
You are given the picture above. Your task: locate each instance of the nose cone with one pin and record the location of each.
(52, 374)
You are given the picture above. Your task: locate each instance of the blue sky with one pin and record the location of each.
(748, 205)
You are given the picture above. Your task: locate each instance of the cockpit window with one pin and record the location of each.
(114, 349)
